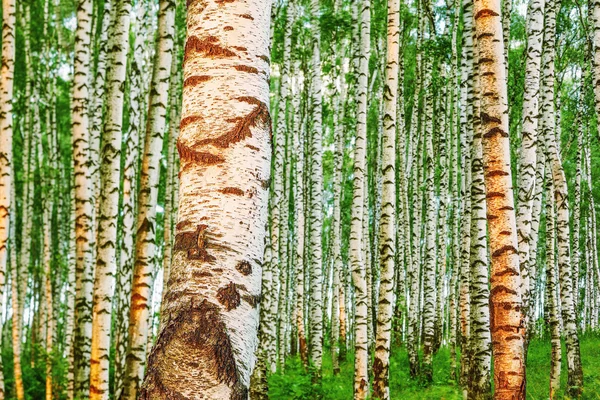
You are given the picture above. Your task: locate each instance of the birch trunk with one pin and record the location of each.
(7, 71)
(110, 170)
(528, 147)
(387, 229)
(207, 341)
(84, 219)
(145, 245)
(552, 291)
(506, 315)
(316, 203)
(560, 193)
(361, 359)
(130, 171)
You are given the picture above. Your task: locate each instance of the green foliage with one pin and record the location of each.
(295, 383)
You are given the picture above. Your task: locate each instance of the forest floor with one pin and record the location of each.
(295, 383)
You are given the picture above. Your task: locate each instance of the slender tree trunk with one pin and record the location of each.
(130, 174)
(552, 290)
(316, 204)
(7, 71)
(361, 377)
(528, 147)
(560, 193)
(480, 345)
(84, 219)
(110, 170)
(506, 314)
(145, 240)
(207, 341)
(387, 229)
(594, 12)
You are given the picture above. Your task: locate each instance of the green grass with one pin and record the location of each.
(295, 383)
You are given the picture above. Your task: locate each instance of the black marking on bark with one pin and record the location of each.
(486, 118)
(485, 60)
(229, 296)
(241, 130)
(507, 271)
(505, 208)
(491, 195)
(253, 301)
(194, 243)
(252, 147)
(247, 16)
(494, 131)
(501, 289)
(199, 331)
(265, 59)
(209, 47)
(265, 183)
(504, 249)
(244, 267)
(203, 157)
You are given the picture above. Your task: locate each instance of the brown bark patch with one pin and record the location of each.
(504, 249)
(198, 331)
(209, 47)
(246, 68)
(188, 120)
(491, 195)
(221, 2)
(188, 154)
(240, 48)
(194, 244)
(195, 80)
(247, 16)
(232, 190)
(265, 183)
(229, 296)
(486, 13)
(228, 28)
(501, 289)
(496, 172)
(265, 59)
(138, 302)
(507, 271)
(241, 130)
(201, 274)
(252, 147)
(244, 267)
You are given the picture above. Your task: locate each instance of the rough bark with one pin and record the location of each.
(506, 312)
(208, 338)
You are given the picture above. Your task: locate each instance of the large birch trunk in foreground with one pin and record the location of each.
(207, 339)
(506, 314)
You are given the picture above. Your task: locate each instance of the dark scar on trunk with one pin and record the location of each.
(247, 16)
(190, 119)
(232, 190)
(194, 80)
(265, 58)
(486, 13)
(240, 48)
(496, 173)
(246, 68)
(244, 267)
(486, 118)
(241, 130)
(252, 147)
(253, 301)
(504, 249)
(221, 2)
(208, 46)
(199, 331)
(188, 154)
(228, 28)
(229, 296)
(194, 243)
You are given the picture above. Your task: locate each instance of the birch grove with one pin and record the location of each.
(299, 199)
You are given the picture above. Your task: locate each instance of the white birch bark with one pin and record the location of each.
(207, 341)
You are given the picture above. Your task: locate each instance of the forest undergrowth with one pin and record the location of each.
(295, 383)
